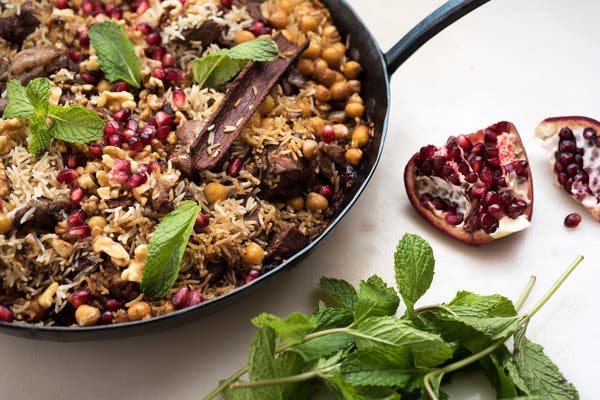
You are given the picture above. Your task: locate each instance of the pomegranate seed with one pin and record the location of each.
(128, 134)
(113, 305)
(235, 167)
(77, 218)
(488, 223)
(74, 56)
(117, 14)
(122, 115)
(168, 60)
(490, 136)
(84, 39)
(145, 28)
(96, 150)
(252, 275)
(143, 6)
(428, 151)
(328, 134)
(67, 177)
(110, 7)
(567, 145)
(226, 3)
(135, 143)
(106, 318)
(120, 87)
(195, 297)
(439, 204)
(202, 222)
(6, 315)
(589, 133)
(143, 168)
(158, 52)
(146, 134)
(155, 166)
(80, 297)
(325, 191)
(174, 75)
(181, 299)
(572, 220)
(453, 218)
(62, 4)
(89, 78)
(163, 119)
(259, 28)
(77, 194)
(154, 39)
(79, 232)
(158, 73)
(565, 133)
(179, 98)
(87, 7)
(163, 133)
(111, 128)
(121, 165)
(136, 180)
(471, 177)
(115, 140)
(72, 161)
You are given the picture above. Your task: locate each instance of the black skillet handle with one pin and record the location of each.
(444, 16)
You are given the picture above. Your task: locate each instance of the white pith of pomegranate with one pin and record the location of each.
(476, 188)
(574, 147)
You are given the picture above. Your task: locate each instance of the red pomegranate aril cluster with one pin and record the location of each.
(145, 28)
(163, 124)
(328, 134)
(569, 159)
(80, 297)
(137, 179)
(179, 99)
(235, 166)
(76, 218)
(78, 229)
(325, 191)
(67, 177)
(572, 220)
(202, 222)
(113, 305)
(84, 39)
(252, 275)
(79, 232)
(77, 194)
(74, 55)
(259, 28)
(106, 318)
(187, 296)
(6, 315)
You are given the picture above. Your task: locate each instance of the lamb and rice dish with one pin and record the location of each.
(266, 155)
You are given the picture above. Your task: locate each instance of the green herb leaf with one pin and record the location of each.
(218, 68)
(374, 367)
(38, 92)
(375, 299)
(18, 104)
(341, 291)
(539, 373)
(75, 124)
(292, 329)
(329, 318)
(39, 136)
(166, 248)
(338, 384)
(261, 363)
(115, 52)
(323, 346)
(413, 264)
(289, 364)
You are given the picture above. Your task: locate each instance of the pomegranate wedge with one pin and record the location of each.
(476, 188)
(574, 147)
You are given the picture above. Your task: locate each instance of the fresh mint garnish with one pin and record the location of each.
(218, 68)
(166, 248)
(360, 350)
(115, 52)
(73, 124)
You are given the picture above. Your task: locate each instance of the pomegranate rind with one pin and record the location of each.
(479, 237)
(549, 129)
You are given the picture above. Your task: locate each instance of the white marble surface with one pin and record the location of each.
(521, 60)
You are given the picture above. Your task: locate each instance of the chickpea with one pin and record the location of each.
(316, 203)
(286, 6)
(306, 67)
(320, 65)
(322, 94)
(308, 23)
(297, 203)
(316, 124)
(214, 192)
(352, 69)
(331, 31)
(355, 86)
(97, 222)
(5, 223)
(326, 77)
(355, 98)
(333, 56)
(341, 131)
(339, 77)
(267, 105)
(243, 36)
(353, 156)
(279, 19)
(86, 315)
(360, 136)
(254, 254)
(313, 51)
(309, 149)
(139, 311)
(339, 91)
(354, 110)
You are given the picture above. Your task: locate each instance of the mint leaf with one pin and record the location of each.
(498, 368)
(329, 318)
(262, 365)
(539, 373)
(413, 264)
(38, 92)
(39, 136)
(342, 292)
(292, 329)
(375, 299)
(373, 367)
(338, 384)
(218, 68)
(18, 104)
(75, 124)
(290, 364)
(467, 304)
(323, 346)
(115, 52)
(166, 248)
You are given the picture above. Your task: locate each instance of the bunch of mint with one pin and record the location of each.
(358, 349)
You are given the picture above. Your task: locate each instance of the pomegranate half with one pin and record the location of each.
(476, 188)
(574, 147)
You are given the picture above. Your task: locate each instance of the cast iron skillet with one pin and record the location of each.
(376, 90)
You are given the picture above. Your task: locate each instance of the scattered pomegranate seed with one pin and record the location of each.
(6, 315)
(146, 134)
(110, 7)
(259, 28)
(168, 60)
(79, 232)
(163, 133)
(195, 297)
(87, 8)
(163, 119)
(328, 134)
(74, 56)
(77, 194)
(89, 78)
(117, 14)
(178, 98)
(136, 180)
(143, 6)
(72, 161)
(181, 299)
(127, 134)
(120, 87)
(159, 52)
(226, 3)
(143, 168)
(115, 140)
(106, 318)
(155, 166)
(80, 297)
(113, 305)
(252, 275)
(84, 39)
(62, 4)
(132, 124)
(111, 128)
(572, 220)
(158, 73)
(122, 115)
(202, 222)
(174, 75)
(135, 143)
(325, 191)
(154, 39)
(77, 218)
(145, 28)
(122, 165)
(235, 166)
(67, 177)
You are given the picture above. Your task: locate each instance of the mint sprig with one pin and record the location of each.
(360, 350)
(73, 124)
(218, 68)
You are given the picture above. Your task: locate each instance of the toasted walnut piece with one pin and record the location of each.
(32, 246)
(4, 188)
(115, 100)
(114, 152)
(104, 244)
(47, 298)
(139, 311)
(62, 248)
(134, 272)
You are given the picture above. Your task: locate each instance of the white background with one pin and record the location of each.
(518, 60)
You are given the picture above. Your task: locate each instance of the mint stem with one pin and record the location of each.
(226, 383)
(284, 380)
(526, 293)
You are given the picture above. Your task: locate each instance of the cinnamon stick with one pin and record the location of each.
(241, 101)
